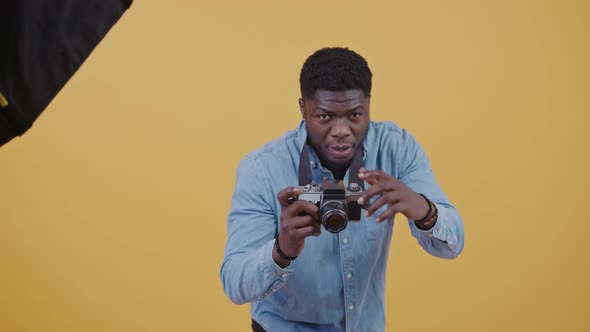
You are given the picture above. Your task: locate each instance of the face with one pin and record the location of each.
(336, 124)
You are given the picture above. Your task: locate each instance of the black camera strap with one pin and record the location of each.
(353, 170)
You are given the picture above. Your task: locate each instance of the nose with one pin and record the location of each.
(340, 129)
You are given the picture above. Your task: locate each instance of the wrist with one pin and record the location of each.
(281, 262)
(425, 209)
(282, 259)
(429, 220)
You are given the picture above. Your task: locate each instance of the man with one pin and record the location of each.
(297, 275)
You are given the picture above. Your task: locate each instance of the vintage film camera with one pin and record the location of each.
(338, 204)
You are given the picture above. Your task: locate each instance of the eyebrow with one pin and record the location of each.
(340, 101)
(356, 108)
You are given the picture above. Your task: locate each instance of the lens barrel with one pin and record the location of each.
(333, 215)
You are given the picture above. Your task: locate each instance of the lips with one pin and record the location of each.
(341, 151)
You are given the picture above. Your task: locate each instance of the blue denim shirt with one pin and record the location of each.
(338, 281)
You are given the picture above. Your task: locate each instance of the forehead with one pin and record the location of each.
(338, 99)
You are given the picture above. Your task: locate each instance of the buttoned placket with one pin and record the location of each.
(348, 275)
(346, 255)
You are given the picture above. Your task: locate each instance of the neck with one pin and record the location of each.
(338, 173)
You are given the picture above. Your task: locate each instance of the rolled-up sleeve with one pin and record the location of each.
(446, 238)
(248, 272)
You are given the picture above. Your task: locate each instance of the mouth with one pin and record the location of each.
(341, 151)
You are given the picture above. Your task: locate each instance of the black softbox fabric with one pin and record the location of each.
(42, 44)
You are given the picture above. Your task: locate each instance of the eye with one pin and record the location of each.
(355, 115)
(323, 116)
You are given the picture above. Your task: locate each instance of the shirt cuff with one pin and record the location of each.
(274, 273)
(441, 230)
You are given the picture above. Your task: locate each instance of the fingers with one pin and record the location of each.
(299, 208)
(390, 192)
(300, 222)
(310, 230)
(390, 212)
(293, 239)
(372, 174)
(377, 187)
(283, 195)
(380, 182)
(297, 219)
(295, 207)
(294, 231)
(308, 208)
(381, 201)
(369, 193)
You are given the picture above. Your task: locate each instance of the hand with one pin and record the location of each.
(394, 193)
(298, 221)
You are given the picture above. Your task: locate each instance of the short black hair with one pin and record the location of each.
(335, 69)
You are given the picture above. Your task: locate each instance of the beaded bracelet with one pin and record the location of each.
(429, 210)
(428, 224)
(280, 252)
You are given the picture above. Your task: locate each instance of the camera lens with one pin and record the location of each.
(333, 216)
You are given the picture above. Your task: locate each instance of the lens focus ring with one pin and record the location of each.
(333, 216)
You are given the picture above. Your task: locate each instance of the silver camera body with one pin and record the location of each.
(338, 204)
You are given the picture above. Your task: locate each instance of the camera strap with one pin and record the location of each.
(353, 170)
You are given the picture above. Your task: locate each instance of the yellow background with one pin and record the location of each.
(113, 207)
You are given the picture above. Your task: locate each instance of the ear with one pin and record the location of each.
(302, 107)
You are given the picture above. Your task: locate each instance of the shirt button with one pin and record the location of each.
(350, 307)
(284, 276)
(345, 240)
(349, 276)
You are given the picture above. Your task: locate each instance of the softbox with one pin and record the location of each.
(42, 44)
